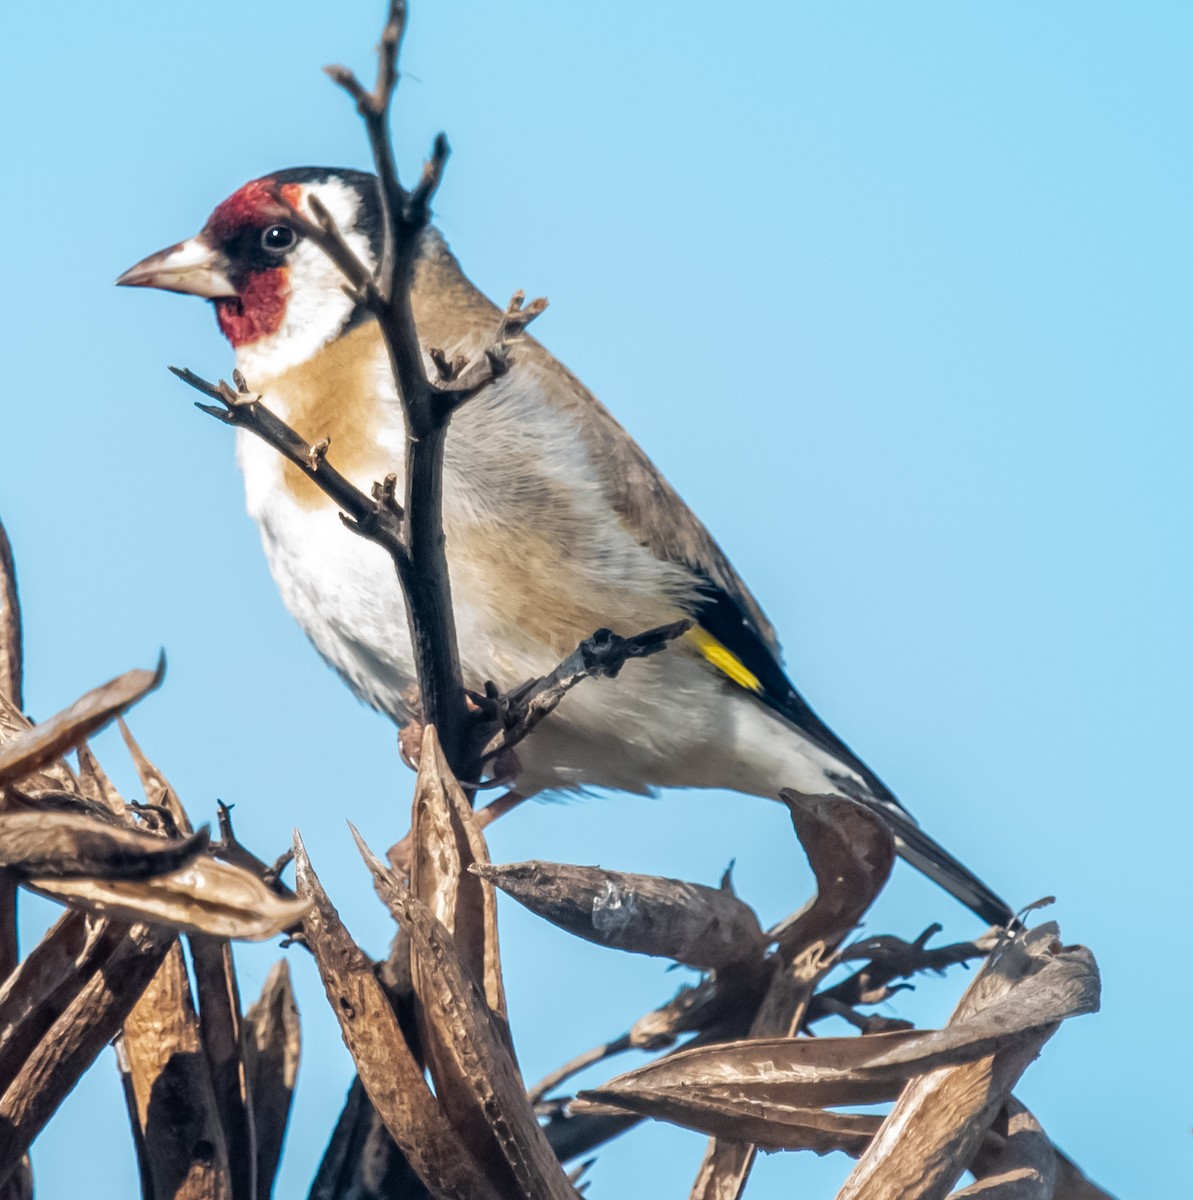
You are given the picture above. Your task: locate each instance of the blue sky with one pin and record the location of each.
(897, 296)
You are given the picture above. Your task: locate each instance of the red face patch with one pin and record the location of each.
(259, 308)
(258, 311)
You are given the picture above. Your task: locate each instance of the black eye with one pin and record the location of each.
(277, 239)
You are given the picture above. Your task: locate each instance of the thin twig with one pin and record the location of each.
(574, 1066)
(232, 850)
(600, 656)
(888, 959)
(238, 406)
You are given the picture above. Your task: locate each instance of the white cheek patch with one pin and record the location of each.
(317, 306)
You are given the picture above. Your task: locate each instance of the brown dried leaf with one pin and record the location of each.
(1024, 1167)
(773, 1078)
(41, 744)
(447, 842)
(157, 787)
(725, 1168)
(95, 784)
(19, 1185)
(272, 1047)
(10, 951)
(472, 1044)
(168, 1088)
(10, 624)
(467, 907)
(66, 846)
(218, 994)
(707, 928)
(931, 1135)
(43, 987)
(1071, 1184)
(206, 896)
(361, 1161)
(55, 776)
(851, 852)
(388, 1071)
(55, 1064)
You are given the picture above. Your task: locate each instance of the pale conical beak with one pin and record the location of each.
(190, 267)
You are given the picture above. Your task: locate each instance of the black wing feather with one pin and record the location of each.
(721, 616)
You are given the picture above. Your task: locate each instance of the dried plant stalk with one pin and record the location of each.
(50, 979)
(471, 1046)
(391, 1076)
(1025, 1167)
(851, 853)
(173, 1104)
(220, 1032)
(205, 896)
(62, 845)
(934, 1130)
(91, 1021)
(158, 791)
(362, 1162)
(11, 682)
(447, 843)
(95, 784)
(272, 1047)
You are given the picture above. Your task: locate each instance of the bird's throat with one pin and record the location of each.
(336, 394)
(258, 311)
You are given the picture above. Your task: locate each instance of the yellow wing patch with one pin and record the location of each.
(724, 660)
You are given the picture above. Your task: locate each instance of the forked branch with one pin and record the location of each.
(410, 529)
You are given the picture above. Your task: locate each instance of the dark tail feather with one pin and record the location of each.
(917, 848)
(912, 843)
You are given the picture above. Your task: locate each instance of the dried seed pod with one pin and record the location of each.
(42, 744)
(206, 896)
(67, 845)
(272, 1046)
(704, 927)
(851, 852)
(751, 1090)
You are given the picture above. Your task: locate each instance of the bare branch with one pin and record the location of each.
(245, 410)
(231, 850)
(585, 1059)
(890, 958)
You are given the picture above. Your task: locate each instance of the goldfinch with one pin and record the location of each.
(557, 524)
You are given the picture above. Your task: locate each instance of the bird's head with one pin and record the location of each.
(277, 296)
